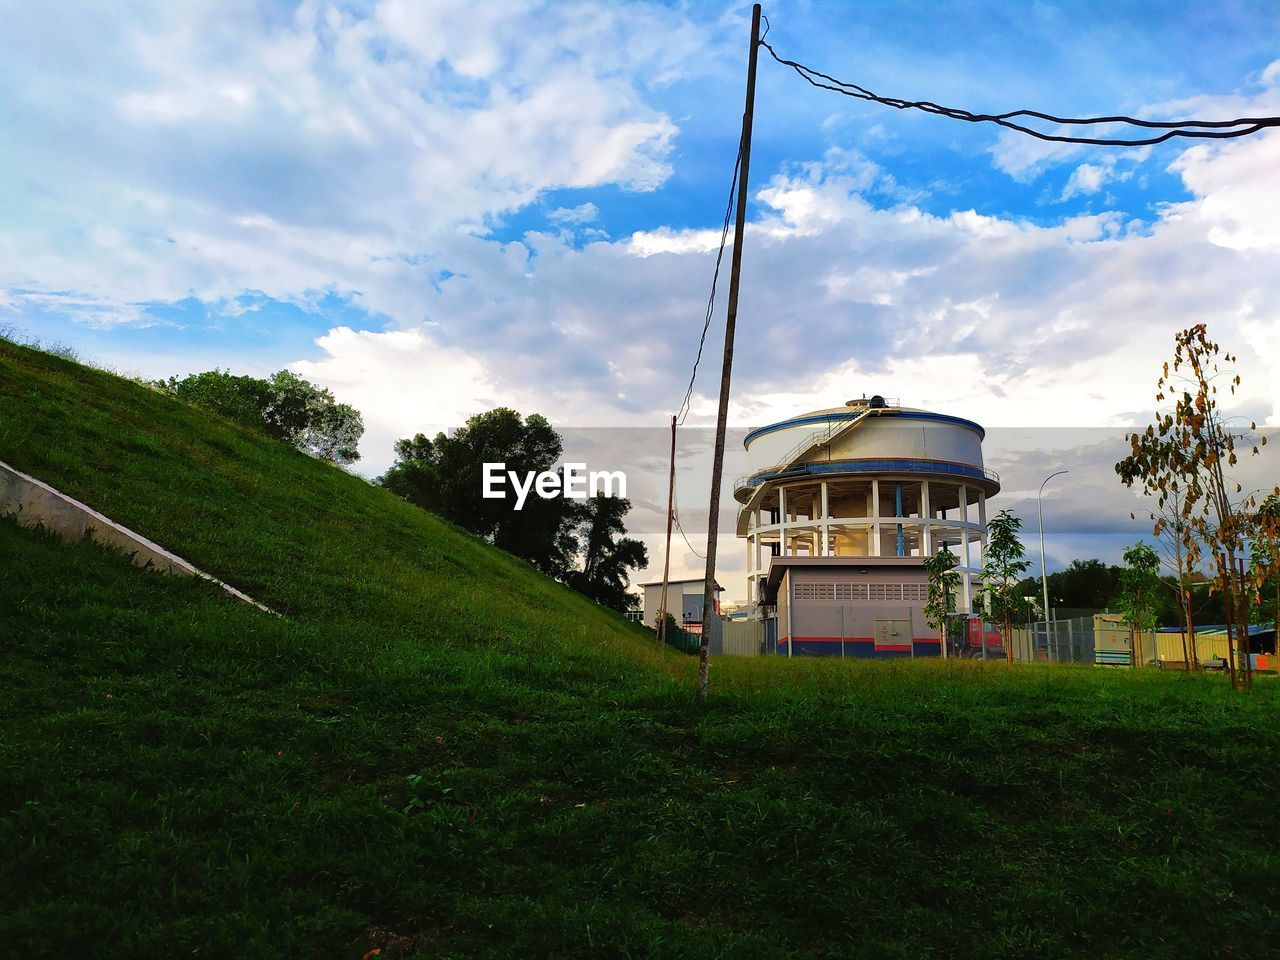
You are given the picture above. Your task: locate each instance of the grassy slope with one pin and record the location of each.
(440, 750)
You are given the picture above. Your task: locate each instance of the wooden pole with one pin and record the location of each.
(1242, 627)
(1228, 607)
(666, 562)
(722, 412)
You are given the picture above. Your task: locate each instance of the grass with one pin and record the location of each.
(438, 752)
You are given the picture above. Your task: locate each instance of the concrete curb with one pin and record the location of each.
(34, 502)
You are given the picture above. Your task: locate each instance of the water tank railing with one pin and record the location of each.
(752, 480)
(822, 435)
(876, 403)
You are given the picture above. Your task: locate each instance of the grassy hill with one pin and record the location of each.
(438, 752)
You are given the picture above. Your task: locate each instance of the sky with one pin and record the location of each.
(434, 208)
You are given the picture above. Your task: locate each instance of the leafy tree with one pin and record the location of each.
(415, 476)
(607, 554)
(1184, 460)
(239, 399)
(309, 417)
(1139, 583)
(1084, 584)
(446, 476)
(942, 585)
(285, 407)
(1004, 564)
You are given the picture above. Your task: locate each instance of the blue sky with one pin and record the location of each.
(436, 207)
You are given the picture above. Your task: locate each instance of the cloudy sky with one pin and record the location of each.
(437, 207)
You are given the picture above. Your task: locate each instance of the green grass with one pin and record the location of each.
(439, 752)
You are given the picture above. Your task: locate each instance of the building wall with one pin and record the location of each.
(684, 601)
(893, 435)
(743, 638)
(834, 612)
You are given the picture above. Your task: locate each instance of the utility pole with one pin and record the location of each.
(666, 563)
(1246, 647)
(1044, 573)
(722, 413)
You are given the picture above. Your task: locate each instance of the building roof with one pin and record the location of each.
(1220, 629)
(850, 411)
(672, 583)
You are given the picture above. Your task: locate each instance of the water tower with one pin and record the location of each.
(869, 486)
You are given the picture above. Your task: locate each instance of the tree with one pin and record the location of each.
(1172, 535)
(606, 553)
(1084, 584)
(307, 416)
(446, 476)
(1264, 563)
(1138, 596)
(1185, 457)
(1004, 564)
(239, 399)
(942, 585)
(285, 407)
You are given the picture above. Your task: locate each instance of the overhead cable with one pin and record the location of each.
(1190, 129)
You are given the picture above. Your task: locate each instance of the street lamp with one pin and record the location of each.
(1044, 573)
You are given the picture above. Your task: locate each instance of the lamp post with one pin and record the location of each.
(1044, 573)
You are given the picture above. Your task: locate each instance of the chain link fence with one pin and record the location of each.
(1058, 641)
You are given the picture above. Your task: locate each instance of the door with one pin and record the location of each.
(893, 638)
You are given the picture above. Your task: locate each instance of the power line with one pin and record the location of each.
(1191, 129)
(711, 300)
(675, 512)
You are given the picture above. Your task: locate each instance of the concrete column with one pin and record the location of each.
(967, 580)
(874, 514)
(926, 534)
(782, 521)
(824, 530)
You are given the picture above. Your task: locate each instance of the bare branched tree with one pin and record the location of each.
(1185, 460)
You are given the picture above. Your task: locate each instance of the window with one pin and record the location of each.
(863, 590)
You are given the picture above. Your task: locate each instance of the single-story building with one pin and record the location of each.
(849, 606)
(684, 602)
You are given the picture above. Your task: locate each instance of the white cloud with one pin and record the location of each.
(403, 382)
(208, 148)
(583, 213)
(205, 151)
(1232, 203)
(1014, 324)
(1086, 178)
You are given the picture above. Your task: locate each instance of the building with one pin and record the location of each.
(684, 601)
(838, 514)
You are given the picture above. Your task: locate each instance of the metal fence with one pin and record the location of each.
(1058, 641)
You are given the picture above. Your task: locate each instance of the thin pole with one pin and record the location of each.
(1242, 628)
(1044, 572)
(1224, 566)
(666, 563)
(722, 412)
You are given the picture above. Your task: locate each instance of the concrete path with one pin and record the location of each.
(34, 502)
